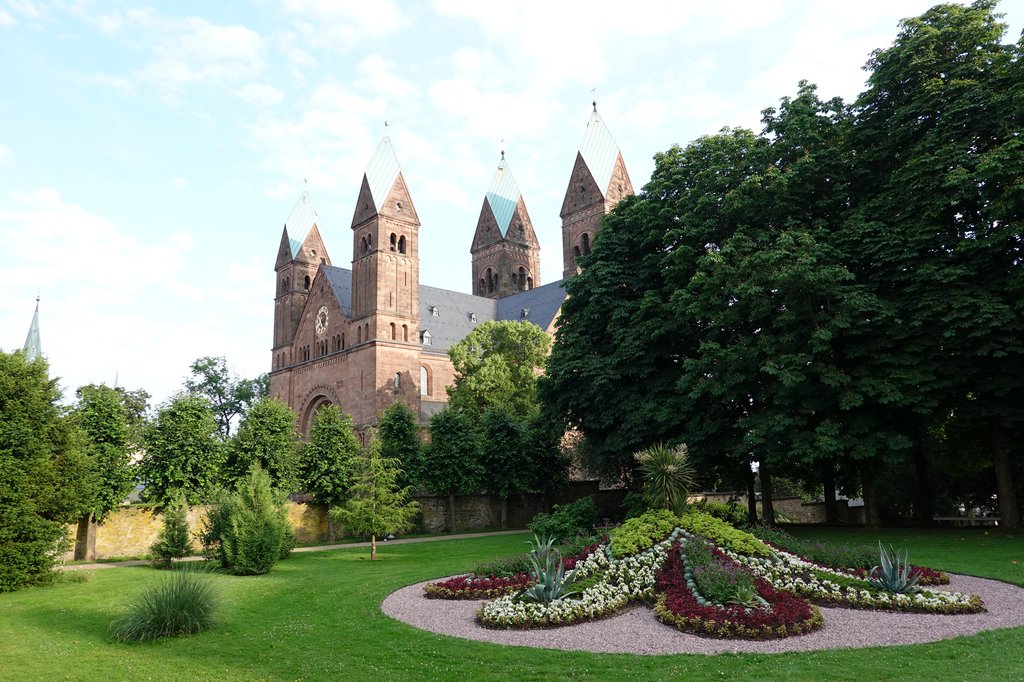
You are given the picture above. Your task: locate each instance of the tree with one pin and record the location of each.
(102, 417)
(497, 364)
(327, 460)
(399, 434)
(229, 395)
(175, 538)
(935, 232)
(183, 451)
(41, 477)
(267, 437)
(378, 506)
(249, 527)
(451, 461)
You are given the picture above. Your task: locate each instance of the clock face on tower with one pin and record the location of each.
(321, 320)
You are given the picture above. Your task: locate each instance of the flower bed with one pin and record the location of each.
(791, 573)
(475, 587)
(679, 605)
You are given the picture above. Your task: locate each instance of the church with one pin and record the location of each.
(364, 336)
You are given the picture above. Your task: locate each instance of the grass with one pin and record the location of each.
(317, 616)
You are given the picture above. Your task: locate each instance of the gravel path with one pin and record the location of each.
(636, 630)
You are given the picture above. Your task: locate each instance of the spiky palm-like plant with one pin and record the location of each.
(668, 476)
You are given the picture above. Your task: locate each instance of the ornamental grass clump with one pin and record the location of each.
(182, 603)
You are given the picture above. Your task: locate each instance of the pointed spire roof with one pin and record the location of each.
(599, 151)
(503, 196)
(302, 219)
(381, 172)
(32, 347)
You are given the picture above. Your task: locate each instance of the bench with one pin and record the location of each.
(962, 521)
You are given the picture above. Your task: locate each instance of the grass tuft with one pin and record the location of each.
(183, 603)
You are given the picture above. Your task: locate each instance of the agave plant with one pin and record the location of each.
(548, 569)
(893, 575)
(746, 596)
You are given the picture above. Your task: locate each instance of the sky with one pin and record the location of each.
(150, 153)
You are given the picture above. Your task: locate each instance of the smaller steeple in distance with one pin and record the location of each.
(599, 180)
(32, 347)
(506, 253)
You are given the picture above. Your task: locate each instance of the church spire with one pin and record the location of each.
(32, 347)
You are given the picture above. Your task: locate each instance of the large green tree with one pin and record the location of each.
(183, 451)
(229, 395)
(266, 436)
(936, 230)
(44, 481)
(399, 433)
(497, 364)
(451, 461)
(327, 461)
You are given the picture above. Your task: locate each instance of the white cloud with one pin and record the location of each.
(122, 85)
(6, 155)
(260, 95)
(341, 25)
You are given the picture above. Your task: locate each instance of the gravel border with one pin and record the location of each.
(636, 630)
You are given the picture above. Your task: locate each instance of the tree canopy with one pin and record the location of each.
(183, 451)
(229, 395)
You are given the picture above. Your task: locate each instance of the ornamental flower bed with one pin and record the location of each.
(678, 604)
(475, 587)
(925, 576)
(791, 573)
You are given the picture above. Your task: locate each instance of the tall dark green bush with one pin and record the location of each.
(174, 540)
(248, 530)
(566, 521)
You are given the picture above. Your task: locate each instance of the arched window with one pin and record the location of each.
(305, 282)
(393, 336)
(424, 381)
(482, 286)
(369, 242)
(585, 240)
(494, 282)
(529, 282)
(401, 244)
(359, 335)
(343, 340)
(394, 242)
(366, 331)
(405, 332)
(490, 280)
(364, 245)
(522, 279)
(398, 382)
(576, 253)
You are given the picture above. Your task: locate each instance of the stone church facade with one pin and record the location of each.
(364, 336)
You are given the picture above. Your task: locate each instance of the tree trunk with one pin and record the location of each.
(451, 512)
(828, 484)
(504, 513)
(1009, 516)
(85, 539)
(924, 510)
(373, 547)
(767, 508)
(872, 514)
(751, 494)
(332, 531)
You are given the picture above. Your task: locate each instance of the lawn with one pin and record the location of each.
(317, 616)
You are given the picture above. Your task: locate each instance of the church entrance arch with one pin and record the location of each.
(314, 400)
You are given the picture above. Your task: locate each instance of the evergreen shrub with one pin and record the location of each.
(174, 540)
(248, 530)
(638, 534)
(722, 534)
(566, 521)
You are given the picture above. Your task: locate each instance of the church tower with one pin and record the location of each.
(385, 254)
(33, 348)
(506, 253)
(599, 180)
(296, 265)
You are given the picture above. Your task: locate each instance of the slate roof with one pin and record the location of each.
(301, 220)
(382, 171)
(541, 304)
(503, 196)
(456, 310)
(599, 151)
